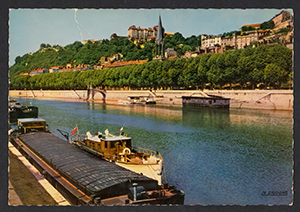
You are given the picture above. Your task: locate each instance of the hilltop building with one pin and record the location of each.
(282, 20)
(218, 43)
(170, 53)
(142, 33)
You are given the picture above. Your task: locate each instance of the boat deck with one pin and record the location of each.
(89, 173)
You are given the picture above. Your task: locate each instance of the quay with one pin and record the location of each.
(84, 179)
(251, 99)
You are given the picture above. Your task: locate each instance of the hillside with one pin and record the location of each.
(91, 52)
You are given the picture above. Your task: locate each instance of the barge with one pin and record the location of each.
(17, 110)
(83, 178)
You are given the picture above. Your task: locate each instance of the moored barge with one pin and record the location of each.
(83, 178)
(17, 110)
(210, 101)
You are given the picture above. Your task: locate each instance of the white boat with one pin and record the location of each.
(118, 149)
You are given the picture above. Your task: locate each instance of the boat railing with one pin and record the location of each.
(78, 137)
(148, 151)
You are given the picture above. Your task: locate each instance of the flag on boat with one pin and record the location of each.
(121, 129)
(74, 130)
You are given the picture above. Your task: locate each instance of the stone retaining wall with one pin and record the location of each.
(255, 99)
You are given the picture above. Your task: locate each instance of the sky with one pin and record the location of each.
(28, 28)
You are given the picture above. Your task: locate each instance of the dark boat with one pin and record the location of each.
(17, 110)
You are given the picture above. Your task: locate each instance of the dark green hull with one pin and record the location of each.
(22, 112)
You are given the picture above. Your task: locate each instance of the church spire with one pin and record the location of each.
(159, 42)
(160, 33)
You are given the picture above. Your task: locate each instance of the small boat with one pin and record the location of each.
(17, 110)
(118, 149)
(141, 100)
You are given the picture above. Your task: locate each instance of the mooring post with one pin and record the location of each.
(134, 191)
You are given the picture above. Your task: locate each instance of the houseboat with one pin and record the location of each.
(206, 101)
(118, 148)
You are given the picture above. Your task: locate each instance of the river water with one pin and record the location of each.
(216, 156)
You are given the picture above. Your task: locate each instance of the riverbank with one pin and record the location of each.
(250, 99)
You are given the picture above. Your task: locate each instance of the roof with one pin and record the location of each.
(203, 97)
(116, 138)
(99, 177)
(132, 27)
(24, 120)
(107, 138)
(253, 25)
(125, 63)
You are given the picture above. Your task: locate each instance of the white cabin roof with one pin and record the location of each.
(109, 138)
(26, 120)
(115, 138)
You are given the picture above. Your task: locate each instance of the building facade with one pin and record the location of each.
(142, 33)
(282, 20)
(244, 39)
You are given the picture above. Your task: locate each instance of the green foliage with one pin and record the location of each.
(230, 34)
(249, 28)
(270, 66)
(267, 25)
(283, 31)
(180, 44)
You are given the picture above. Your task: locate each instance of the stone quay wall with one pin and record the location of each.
(251, 99)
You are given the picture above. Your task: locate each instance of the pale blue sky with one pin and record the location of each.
(28, 28)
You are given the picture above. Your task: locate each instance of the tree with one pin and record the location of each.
(186, 48)
(267, 25)
(18, 59)
(245, 66)
(275, 75)
(42, 46)
(249, 28)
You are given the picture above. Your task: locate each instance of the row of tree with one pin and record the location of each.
(268, 66)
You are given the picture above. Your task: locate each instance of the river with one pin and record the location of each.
(216, 156)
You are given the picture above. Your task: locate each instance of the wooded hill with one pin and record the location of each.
(90, 53)
(260, 67)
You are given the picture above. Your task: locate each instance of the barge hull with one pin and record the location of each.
(70, 192)
(78, 175)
